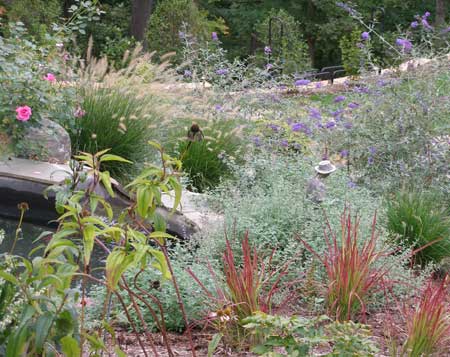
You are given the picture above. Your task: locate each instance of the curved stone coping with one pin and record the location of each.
(34, 171)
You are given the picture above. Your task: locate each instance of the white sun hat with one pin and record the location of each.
(325, 167)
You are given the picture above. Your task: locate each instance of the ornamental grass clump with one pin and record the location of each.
(428, 324)
(419, 219)
(352, 266)
(249, 286)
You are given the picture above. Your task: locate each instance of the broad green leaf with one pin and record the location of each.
(43, 324)
(160, 263)
(144, 198)
(70, 347)
(106, 180)
(155, 145)
(17, 342)
(214, 343)
(116, 264)
(88, 242)
(110, 157)
(178, 190)
(9, 277)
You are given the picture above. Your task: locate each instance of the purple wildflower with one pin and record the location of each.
(353, 105)
(267, 50)
(256, 140)
(319, 85)
(347, 8)
(302, 82)
(274, 127)
(187, 73)
(181, 35)
(406, 45)
(362, 90)
(427, 14)
(214, 36)
(330, 124)
(297, 126)
(337, 113)
(444, 31)
(351, 184)
(365, 36)
(370, 160)
(339, 98)
(372, 150)
(414, 24)
(222, 71)
(218, 107)
(348, 125)
(344, 153)
(426, 25)
(269, 66)
(79, 112)
(284, 143)
(315, 113)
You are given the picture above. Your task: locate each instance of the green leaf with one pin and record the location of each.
(117, 262)
(144, 199)
(43, 324)
(160, 263)
(155, 145)
(88, 242)
(17, 342)
(9, 277)
(119, 352)
(214, 343)
(106, 180)
(178, 190)
(110, 157)
(70, 347)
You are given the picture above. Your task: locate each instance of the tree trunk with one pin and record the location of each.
(441, 12)
(140, 13)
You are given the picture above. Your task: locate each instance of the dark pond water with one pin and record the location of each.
(27, 242)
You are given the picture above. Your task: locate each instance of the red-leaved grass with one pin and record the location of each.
(351, 267)
(250, 285)
(428, 324)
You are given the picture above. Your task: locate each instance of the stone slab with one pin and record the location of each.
(35, 171)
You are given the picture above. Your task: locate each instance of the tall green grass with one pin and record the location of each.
(117, 120)
(418, 219)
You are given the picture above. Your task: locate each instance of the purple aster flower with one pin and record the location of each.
(351, 184)
(284, 143)
(344, 153)
(370, 160)
(256, 140)
(297, 126)
(362, 90)
(339, 98)
(181, 35)
(348, 125)
(319, 85)
(365, 36)
(372, 150)
(214, 36)
(269, 66)
(426, 25)
(315, 113)
(222, 71)
(218, 107)
(427, 14)
(406, 45)
(353, 105)
(414, 24)
(267, 50)
(187, 73)
(302, 82)
(289, 121)
(274, 127)
(337, 113)
(319, 125)
(330, 125)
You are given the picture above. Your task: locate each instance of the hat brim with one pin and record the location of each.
(318, 170)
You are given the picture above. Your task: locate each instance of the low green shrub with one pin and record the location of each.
(117, 120)
(209, 160)
(417, 219)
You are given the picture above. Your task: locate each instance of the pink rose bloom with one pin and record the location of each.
(50, 77)
(23, 113)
